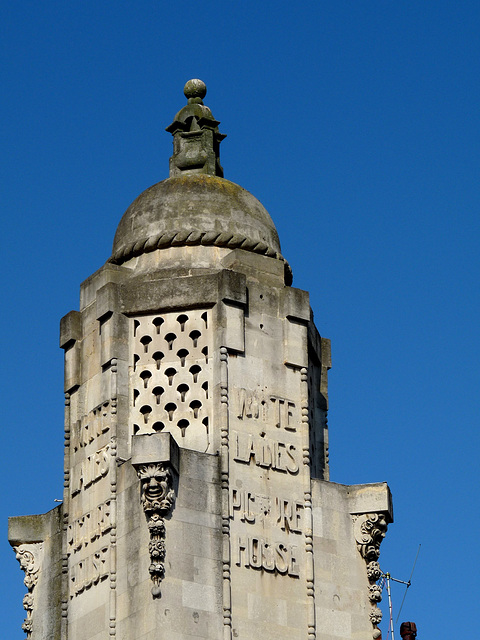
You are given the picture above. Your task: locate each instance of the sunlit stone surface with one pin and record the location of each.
(197, 496)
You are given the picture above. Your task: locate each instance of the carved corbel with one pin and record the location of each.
(155, 458)
(29, 557)
(157, 497)
(369, 531)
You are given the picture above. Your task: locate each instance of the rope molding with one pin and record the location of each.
(178, 238)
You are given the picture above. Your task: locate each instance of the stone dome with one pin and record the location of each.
(195, 209)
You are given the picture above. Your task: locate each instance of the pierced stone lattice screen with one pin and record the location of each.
(170, 376)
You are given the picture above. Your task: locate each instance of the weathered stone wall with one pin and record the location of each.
(196, 497)
(345, 604)
(37, 542)
(191, 597)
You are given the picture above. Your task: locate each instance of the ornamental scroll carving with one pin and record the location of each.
(29, 557)
(369, 530)
(157, 496)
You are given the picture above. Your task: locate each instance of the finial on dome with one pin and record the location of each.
(196, 138)
(195, 89)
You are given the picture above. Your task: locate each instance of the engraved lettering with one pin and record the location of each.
(90, 470)
(255, 548)
(293, 569)
(247, 405)
(277, 410)
(88, 572)
(244, 502)
(268, 558)
(288, 514)
(281, 558)
(292, 466)
(290, 406)
(255, 405)
(283, 411)
(258, 553)
(242, 550)
(235, 501)
(266, 453)
(266, 458)
(251, 453)
(89, 527)
(280, 456)
(91, 426)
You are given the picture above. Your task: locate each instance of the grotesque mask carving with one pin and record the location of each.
(157, 497)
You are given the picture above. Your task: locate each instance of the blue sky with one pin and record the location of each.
(357, 126)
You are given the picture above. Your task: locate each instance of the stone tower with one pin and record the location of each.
(197, 499)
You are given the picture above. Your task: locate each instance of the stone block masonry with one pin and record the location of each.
(197, 501)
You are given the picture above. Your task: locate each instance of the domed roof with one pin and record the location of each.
(195, 205)
(195, 209)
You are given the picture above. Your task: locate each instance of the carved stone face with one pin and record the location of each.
(154, 481)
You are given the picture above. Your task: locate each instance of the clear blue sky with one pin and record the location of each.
(357, 125)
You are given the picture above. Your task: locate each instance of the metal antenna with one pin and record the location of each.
(408, 584)
(390, 610)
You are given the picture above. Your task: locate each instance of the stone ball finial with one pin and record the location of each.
(195, 88)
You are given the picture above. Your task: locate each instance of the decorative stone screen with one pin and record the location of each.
(170, 376)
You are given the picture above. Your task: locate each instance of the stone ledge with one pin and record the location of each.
(357, 498)
(34, 528)
(370, 498)
(153, 448)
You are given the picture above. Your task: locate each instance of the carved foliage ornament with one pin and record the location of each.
(157, 497)
(29, 558)
(370, 530)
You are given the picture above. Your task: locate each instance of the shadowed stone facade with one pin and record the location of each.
(197, 498)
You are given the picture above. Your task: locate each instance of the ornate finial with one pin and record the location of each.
(195, 89)
(196, 138)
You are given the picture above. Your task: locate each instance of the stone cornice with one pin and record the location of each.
(179, 238)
